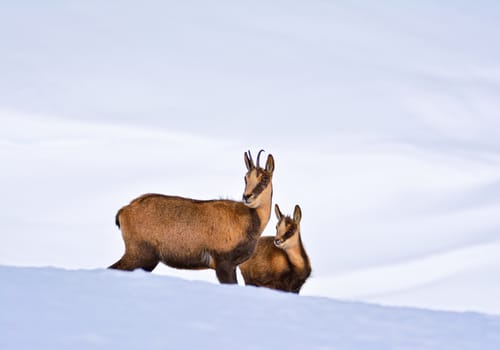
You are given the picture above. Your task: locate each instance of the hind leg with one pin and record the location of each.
(136, 256)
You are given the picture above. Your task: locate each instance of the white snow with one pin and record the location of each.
(47, 308)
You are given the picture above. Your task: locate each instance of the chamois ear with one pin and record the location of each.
(278, 212)
(297, 214)
(270, 164)
(249, 161)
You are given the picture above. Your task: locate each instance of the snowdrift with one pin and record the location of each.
(48, 308)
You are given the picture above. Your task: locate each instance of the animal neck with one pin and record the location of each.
(298, 257)
(263, 212)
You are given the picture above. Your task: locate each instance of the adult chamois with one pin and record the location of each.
(279, 262)
(187, 233)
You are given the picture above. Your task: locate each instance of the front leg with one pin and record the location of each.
(226, 272)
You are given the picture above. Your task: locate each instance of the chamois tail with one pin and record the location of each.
(117, 218)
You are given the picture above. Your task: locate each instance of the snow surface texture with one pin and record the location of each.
(383, 119)
(44, 308)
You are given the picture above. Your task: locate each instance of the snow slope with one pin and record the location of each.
(47, 308)
(383, 119)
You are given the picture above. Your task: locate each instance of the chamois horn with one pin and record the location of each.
(258, 158)
(252, 164)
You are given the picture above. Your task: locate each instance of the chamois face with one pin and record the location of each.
(258, 181)
(287, 229)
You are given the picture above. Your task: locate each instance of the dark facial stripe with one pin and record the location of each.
(261, 186)
(291, 230)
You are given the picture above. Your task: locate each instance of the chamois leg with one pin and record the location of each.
(226, 273)
(142, 256)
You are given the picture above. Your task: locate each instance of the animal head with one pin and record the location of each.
(287, 229)
(258, 181)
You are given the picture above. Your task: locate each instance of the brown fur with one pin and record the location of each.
(286, 267)
(195, 234)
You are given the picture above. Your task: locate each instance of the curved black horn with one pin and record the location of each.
(258, 157)
(250, 159)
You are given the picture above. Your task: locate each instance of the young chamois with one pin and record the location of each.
(186, 233)
(279, 262)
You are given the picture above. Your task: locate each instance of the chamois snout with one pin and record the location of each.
(282, 243)
(247, 198)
